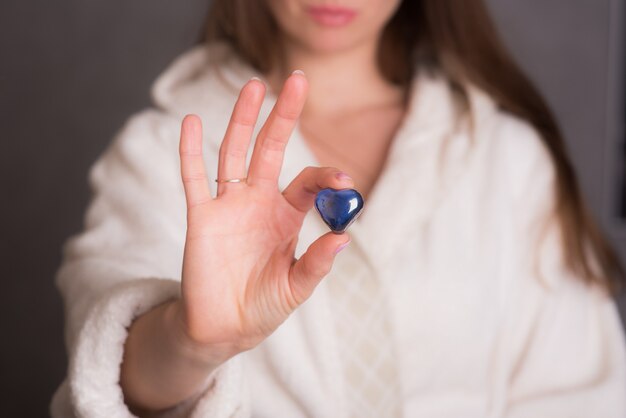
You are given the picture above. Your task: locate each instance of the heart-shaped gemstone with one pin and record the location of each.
(339, 208)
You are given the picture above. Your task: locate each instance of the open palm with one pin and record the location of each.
(240, 278)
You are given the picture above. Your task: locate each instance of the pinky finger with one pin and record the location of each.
(191, 162)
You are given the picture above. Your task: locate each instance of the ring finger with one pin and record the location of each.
(234, 147)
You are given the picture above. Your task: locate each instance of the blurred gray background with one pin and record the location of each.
(72, 71)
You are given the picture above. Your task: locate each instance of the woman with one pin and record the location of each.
(473, 284)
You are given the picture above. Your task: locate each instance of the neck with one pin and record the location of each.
(341, 81)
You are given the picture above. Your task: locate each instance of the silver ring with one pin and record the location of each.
(239, 180)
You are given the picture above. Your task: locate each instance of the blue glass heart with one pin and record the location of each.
(339, 208)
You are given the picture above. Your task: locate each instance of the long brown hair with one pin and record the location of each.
(460, 39)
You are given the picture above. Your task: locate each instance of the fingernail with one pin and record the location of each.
(341, 247)
(299, 72)
(257, 79)
(343, 176)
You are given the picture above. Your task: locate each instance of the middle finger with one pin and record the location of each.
(234, 147)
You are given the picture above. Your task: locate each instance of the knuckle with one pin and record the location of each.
(294, 296)
(233, 151)
(194, 204)
(323, 270)
(314, 269)
(193, 178)
(272, 143)
(244, 121)
(190, 153)
(288, 113)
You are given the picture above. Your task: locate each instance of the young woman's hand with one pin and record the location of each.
(240, 279)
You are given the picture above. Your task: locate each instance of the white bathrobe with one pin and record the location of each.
(487, 321)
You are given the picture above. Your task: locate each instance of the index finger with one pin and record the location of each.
(269, 149)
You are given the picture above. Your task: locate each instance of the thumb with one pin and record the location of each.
(314, 264)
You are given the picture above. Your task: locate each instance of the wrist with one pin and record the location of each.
(203, 354)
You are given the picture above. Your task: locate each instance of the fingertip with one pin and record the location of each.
(191, 123)
(299, 81)
(191, 134)
(343, 180)
(256, 87)
(191, 118)
(336, 179)
(337, 242)
(344, 238)
(342, 246)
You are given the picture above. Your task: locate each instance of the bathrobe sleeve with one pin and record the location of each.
(567, 354)
(126, 261)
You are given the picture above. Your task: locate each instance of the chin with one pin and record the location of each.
(325, 41)
(329, 46)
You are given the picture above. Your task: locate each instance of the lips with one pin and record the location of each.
(331, 16)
